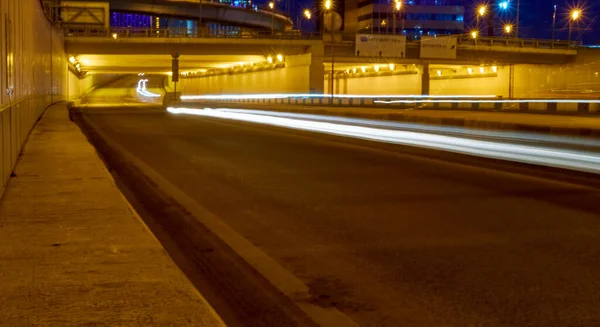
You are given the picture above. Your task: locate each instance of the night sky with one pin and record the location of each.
(536, 17)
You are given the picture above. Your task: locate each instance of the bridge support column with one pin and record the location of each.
(425, 81)
(316, 81)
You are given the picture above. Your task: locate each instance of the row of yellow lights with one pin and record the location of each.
(482, 10)
(392, 67)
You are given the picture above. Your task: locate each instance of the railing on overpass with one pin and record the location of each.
(348, 38)
(125, 32)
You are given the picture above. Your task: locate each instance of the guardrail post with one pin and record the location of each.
(583, 108)
(524, 106)
(551, 106)
(475, 105)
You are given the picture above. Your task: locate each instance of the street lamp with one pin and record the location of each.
(481, 10)
(397, 9)
(575, 15)
(504, 5)
(329, 9)
(272, 6)
(474, 34)
(307, 14)
(508, 29)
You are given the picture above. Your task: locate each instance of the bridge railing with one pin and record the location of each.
(125, 32)
(349, 38)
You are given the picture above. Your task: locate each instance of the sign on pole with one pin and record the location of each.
(175, 67)
(442, 47)
(375, 45)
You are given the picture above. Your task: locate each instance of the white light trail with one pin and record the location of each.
(341, 96)
(489, 101)
(141, 89)
(554, 157)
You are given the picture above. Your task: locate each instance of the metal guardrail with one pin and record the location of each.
(124, 32)
(119, 32)
(497, 104)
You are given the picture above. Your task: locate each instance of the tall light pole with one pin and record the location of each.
(307, 14)
(329, 9)
(397, 8)
(575, 15)
(272, 6)
(554, 24)
(481, 10)
(518, 18)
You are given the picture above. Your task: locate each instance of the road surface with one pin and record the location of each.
(389, 235)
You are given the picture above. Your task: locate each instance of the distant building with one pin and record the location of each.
(415, 19)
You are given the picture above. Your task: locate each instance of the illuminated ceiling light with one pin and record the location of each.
(481, 70)
(347, 71)
(494, 69)
(376, 67)
(114, 36)
(353, 70)
(363, 68)
(279, 58)
(439, 73)
(72, 60)
(470, 70)
(270, 59)
(392, 66)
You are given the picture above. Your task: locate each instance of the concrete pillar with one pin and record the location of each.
(425, 82)
(338, 81)
(345, 89)
(317, 71)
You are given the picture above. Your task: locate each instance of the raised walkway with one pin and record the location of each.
(72, 250)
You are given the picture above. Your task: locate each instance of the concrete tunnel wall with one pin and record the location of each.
(34, 67)
(530, 81)
(293, 78)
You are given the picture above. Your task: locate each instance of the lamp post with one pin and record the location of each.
(554, 24)
(518, 18)
(508, 29)
(329, 9)
(307, 14)
(272, 6)
(575, 14)
(397, 8)
(481, 10)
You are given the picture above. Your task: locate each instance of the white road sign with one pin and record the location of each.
(441, 47)
(373, 45)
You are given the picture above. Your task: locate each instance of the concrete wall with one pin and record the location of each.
(530, 81)
(33, 66)
(79, 87)
(293, 78)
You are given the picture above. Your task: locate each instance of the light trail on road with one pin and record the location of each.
(141, 89)
(531, 154)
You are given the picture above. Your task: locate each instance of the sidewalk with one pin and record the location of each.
(525, 122)
(72, 251)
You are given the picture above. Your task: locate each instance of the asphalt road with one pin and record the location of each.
(389, 235)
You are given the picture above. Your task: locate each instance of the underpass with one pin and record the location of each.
(387, 234)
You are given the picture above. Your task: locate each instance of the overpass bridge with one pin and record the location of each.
(497, 62)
